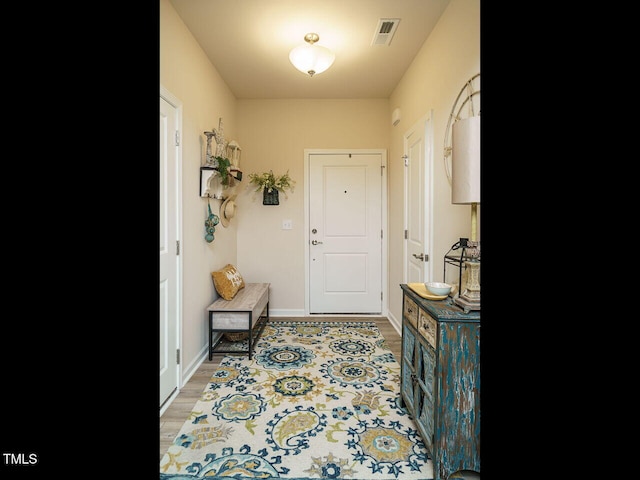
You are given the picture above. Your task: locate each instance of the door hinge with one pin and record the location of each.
(178, 356)
(381, 233)
(177, 247)
(426, 257)
(406, 234)
(381, 170)
(177, 138)
(406, 160)
(380, 296)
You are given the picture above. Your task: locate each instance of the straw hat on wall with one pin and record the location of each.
(228, 210)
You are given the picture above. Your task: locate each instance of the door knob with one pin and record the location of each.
(419, 257)
(315, 242)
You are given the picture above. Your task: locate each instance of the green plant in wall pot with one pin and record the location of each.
(223, 170)
(269, 183)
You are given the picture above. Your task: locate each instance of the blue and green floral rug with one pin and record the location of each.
(317, 400)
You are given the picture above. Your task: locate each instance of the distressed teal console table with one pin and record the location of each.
(440, 384)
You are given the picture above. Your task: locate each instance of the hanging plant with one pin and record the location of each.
(268, 182)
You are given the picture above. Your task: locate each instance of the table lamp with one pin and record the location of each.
(465, 190)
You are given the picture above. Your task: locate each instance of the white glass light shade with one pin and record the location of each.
(311, 59)
(465, 161)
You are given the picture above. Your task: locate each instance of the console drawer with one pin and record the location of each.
(428, 328)
(411, 311)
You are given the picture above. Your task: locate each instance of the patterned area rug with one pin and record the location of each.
(317, 400)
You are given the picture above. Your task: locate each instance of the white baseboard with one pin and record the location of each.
(300, 313)
(284, 312)
(395, 323)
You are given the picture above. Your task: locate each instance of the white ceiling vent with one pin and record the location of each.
(385, 30)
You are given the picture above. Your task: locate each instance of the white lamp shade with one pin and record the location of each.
(465, 161)
(311, 59)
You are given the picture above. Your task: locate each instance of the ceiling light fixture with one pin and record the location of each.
(311, 59)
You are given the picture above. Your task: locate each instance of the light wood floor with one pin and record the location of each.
(178, 412)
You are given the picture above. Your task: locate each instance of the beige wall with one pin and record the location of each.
(447, 59)
(273, 135)
(187, 74)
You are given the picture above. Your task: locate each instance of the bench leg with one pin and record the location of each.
(250, 334)
(210, 337)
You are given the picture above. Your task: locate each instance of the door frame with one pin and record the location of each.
(384, 223)
(175, 102)
(427, 186)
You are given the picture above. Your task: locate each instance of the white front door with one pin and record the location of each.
(169, 254)
(345, 233)
(417, 155)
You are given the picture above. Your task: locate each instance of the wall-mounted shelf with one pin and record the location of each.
(210, 186)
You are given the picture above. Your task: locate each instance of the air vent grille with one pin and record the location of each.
(386, 27)
(384, 31)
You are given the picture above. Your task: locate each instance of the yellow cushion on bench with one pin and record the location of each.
(227, 281)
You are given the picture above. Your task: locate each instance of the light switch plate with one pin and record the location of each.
(287, 224)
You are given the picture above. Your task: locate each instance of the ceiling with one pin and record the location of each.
(248, 41)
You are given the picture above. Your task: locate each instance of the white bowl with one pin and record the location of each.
(438, 288)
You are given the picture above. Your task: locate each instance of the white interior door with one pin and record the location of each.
(169, 254)
(345, 233)
(417, 153)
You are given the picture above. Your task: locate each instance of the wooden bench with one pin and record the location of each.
(247, 312)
